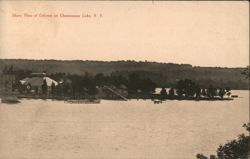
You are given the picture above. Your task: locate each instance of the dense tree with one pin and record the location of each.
(147, 86)
(44, 87)
(100, 79)
(59, 89)
(211, 91)
(246, 72)
(89, 85)
(134, 82)
(186, 87)
(197, 92)
(53, 88)
(119, 80)
(77, 85)
(163, 91)
(235, 149)
(171, 92)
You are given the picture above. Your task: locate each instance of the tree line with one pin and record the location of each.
(189, 89)
(164, 74)
(88, 84)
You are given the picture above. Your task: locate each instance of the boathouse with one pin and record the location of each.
(34, 83)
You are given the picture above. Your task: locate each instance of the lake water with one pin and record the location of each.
(46, 129)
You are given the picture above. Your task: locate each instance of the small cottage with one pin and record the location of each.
(34, 84)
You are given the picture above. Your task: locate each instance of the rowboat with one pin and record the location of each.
(83, 101)
(9, 99)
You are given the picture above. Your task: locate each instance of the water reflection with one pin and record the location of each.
(118, 129)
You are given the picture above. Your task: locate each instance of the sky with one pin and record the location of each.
(199, 33)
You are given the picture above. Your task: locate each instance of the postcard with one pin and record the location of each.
(124, 79)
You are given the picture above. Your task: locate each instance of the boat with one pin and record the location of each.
(157, 101)
(83, 101)
(234, 96)
(9, 99)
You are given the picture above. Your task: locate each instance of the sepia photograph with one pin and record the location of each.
(124, 79)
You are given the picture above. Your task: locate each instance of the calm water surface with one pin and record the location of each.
(46, 129)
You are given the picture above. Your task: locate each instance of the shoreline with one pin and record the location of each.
(147, 97)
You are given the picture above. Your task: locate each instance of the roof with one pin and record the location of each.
(38, 81)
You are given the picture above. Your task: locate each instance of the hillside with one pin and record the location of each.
(164, 74)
